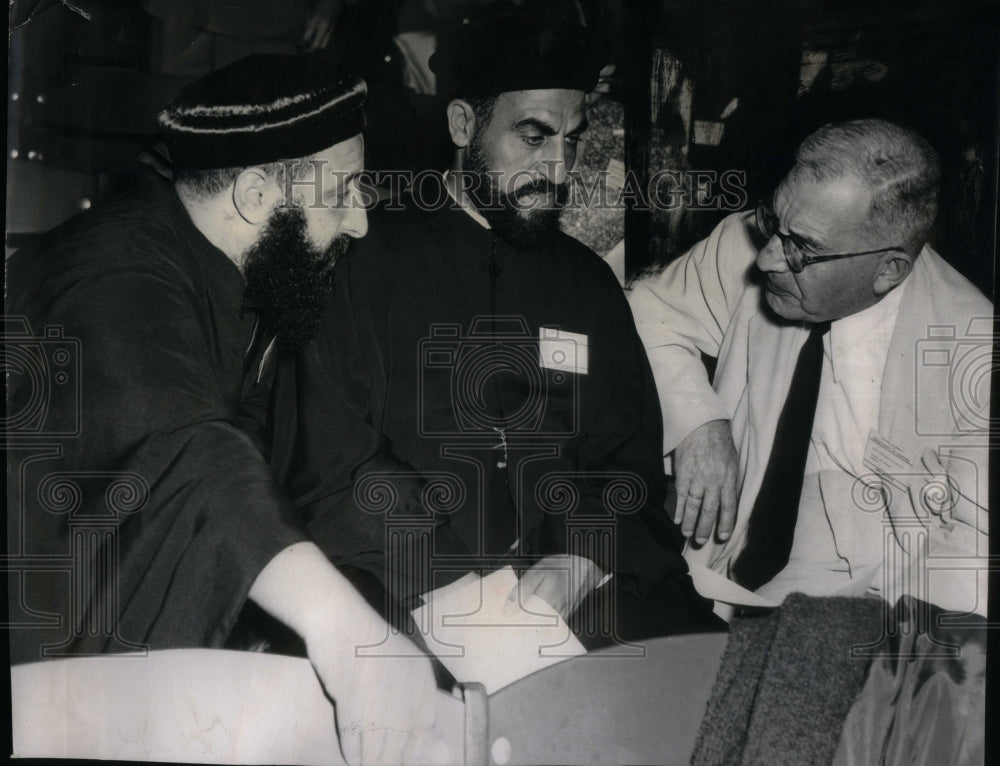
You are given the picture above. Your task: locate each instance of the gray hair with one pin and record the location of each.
(207, 183)
(900, 169)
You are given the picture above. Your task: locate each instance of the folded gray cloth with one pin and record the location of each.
(787, 682)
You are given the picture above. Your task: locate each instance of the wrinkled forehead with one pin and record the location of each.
(325, 176)
(797, 179)
(556, 104)
(843, 196)
(345, 156)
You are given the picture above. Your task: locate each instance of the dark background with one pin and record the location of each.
(927, 64)
(85, 86)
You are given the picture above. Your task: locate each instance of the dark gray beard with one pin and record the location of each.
(289, 279)
(525, 229)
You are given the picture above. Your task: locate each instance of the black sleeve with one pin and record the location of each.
(339, 468)
(620, 475)
(168, 510)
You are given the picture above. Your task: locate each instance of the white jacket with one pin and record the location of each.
(935, 394)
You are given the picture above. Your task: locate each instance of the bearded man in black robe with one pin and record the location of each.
(139, 514)
(478, 395)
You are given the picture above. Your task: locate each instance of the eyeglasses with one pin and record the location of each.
(767, 224)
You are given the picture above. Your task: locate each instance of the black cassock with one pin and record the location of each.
(138, 514)
(469, 404)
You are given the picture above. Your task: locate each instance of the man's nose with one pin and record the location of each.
(553, 165)
(356, 219)
(771, 257)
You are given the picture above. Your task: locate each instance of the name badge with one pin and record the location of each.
(885, 458)
(561, 350)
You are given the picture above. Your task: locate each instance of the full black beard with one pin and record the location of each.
(289, 279)
(520, 226)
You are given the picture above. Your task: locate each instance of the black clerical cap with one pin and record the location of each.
(263, 108)
(514, 51)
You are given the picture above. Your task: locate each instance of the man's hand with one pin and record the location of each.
(386, 699)
(562, 582)
(705, 470)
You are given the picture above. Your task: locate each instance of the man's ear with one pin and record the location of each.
(461, 122)
(255, 195)
(894, 268)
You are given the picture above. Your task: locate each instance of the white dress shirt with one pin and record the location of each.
(854, 356)
(847, 410)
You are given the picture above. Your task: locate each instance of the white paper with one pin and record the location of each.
(481, 634)
(711, 584)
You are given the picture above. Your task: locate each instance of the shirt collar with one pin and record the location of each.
(466, 206)
(870, 330)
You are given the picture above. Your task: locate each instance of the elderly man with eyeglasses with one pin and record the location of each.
(841, 448)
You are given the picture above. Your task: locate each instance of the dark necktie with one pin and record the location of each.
(771, 527)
